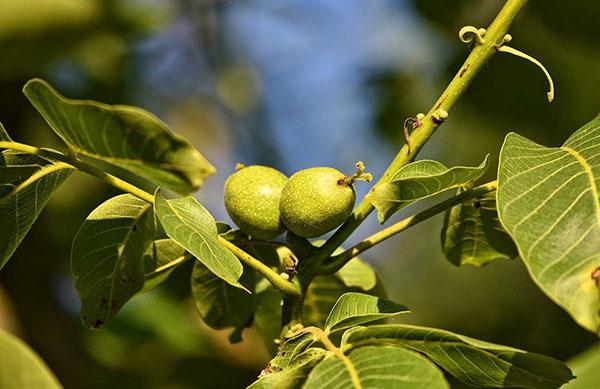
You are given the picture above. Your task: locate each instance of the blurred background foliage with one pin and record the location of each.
(290, 84)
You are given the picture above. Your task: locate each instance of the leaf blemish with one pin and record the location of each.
(596, 275)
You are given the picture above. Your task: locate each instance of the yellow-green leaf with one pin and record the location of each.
(21, 367)
(382, 367)
(189, 224)
(548, 201)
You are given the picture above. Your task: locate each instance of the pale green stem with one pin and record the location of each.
(278, 282)
(81, 165)
(285, 286)
(479, 56)
(339, 260)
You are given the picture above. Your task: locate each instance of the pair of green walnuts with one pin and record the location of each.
(263, 202)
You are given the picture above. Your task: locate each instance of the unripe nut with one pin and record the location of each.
(315, 201)
(252, 196)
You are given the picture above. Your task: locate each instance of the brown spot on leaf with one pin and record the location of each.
(596, 275)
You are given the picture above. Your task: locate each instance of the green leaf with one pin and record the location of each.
(294, 375)
(353, 309)
(21, 367)
(473, 235)
(188, 223)
(323, 293)
(472, 361)
(548, 201)
(585, 368)
(357, 274)
(26, 184)
(290, 349)
(107, 256)
(376, 367)
(419, 180)
(128, 137)
(267, 318)
(161, 258)
(4, 134)
(221, 305)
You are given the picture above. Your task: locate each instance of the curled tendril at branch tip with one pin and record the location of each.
(468, 33)
(513, 51)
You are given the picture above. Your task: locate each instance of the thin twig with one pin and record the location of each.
(339, 260)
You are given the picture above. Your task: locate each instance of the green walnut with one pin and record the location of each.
(252, 200)
(316, 200)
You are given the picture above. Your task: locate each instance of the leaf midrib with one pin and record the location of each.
(590, 174)
(41, 173)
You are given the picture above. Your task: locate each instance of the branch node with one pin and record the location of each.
(439, 116)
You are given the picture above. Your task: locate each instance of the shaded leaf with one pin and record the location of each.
(548, 201)
(189, 224)
(290, 349)
(267, 318)
(128, 137)
(585, 368)
(161, 258)
(294, 375)
(221, 305)
(321, 296)
(419, 180)
(26, 184)
(376, 367)
(473, 235)
(353, 309)
(107, 256)
(472, 361)
(21, 367)
(4, 134)
(357, 273)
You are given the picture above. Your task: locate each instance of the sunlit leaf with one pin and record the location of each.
(353, 309)
(585, 367)
(189, 224)
(26, 184)
(221, 305)
(473, 235)
(382, 367)
(419, 180)
(294, 375)
(124, 136)
(472, 361)
(107, 256)
(548, 201)
(21, 367)
(161, 258)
